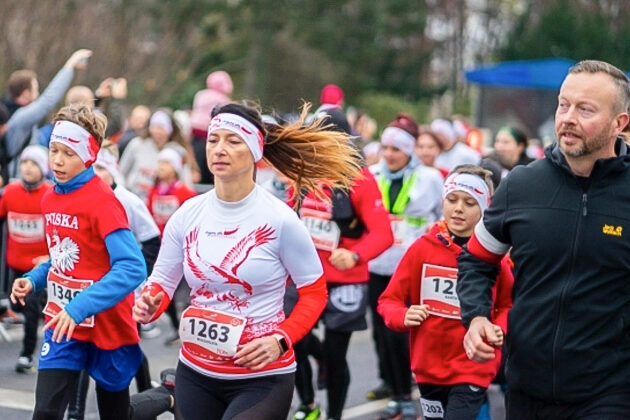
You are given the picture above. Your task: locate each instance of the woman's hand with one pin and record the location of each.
(258, 353)
(342, 259)
(64, 325)
(146, 306)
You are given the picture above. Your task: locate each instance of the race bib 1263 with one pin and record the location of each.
(210, 335)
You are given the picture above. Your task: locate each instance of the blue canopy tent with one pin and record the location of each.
(545, 73)
(519, 92)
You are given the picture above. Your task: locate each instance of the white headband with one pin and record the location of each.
(397, 137)
(470, 184)
(173, 157)
(161, 119)
(444, 128)
(107, 160)
(77, 138)
(251, 134)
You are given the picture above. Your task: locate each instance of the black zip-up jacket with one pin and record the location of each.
(568, 335)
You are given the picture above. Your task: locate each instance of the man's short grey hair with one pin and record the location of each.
(619, 77)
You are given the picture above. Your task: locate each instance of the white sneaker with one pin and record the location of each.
(150, 330)
(24, 364)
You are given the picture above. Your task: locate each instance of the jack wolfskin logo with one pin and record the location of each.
(612, 230)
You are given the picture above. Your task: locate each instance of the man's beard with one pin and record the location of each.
(587, 146)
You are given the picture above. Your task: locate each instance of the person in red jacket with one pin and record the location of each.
(348, 231)
(421, 298)
(169, 192)
(26, 244)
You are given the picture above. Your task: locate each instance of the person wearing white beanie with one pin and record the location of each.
(138, 165)
(169, 191)
(39, 156)
(454, 153)
(20, 207)
(172, 157)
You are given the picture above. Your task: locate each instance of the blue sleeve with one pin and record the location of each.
(38, 275)
(43, 135)
(33, 113)
(127, 271)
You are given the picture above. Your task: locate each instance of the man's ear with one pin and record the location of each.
(621, 121)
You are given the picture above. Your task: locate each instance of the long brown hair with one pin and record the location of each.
(310, 155)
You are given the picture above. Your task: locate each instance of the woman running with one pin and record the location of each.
(236, 245)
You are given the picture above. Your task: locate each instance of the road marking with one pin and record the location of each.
(18, 400)
(373, 406)
(363, 409)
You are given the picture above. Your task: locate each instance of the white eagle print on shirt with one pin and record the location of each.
(226, 272)
(64, 253)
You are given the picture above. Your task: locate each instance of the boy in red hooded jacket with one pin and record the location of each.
(421, 298)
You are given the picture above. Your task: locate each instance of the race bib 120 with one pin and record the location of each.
(438, 291)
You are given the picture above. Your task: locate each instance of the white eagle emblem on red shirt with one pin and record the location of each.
(64, 253)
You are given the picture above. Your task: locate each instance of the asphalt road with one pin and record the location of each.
(17, 390)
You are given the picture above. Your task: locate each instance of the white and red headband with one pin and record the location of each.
(399, 138)
(470, 184)
(238, 125)
(76, 138)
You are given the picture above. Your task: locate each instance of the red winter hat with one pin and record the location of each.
(406, 122)
(331, 95)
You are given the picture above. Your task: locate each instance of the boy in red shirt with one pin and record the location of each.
(421, 298)
(169, 192)
(26, 245)
(95, 263)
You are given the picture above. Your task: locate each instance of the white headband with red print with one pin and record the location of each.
(78, 139)
(470, 184)
(251, 134)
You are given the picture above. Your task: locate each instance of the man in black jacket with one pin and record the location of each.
(566, 219)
